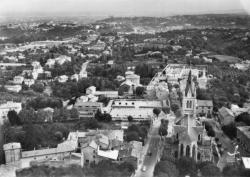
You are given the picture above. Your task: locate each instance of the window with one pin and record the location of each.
(133, 103)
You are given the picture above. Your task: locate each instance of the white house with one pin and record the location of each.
(18, 79)
(13, 88)
(62, 78)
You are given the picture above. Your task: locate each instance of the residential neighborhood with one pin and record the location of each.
(125, 96)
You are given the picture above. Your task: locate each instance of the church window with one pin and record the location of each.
(182, 149)
(188, 151)
(199, 156)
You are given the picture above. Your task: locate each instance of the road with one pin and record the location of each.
(153, 145)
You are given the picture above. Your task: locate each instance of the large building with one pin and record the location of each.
(189, 136)
(87, 109)
(178, 74)
(140, 110)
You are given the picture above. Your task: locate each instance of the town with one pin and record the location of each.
(126, 97)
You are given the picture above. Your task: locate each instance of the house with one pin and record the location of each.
(74, 77)
(13, 88)
(204, 107)
(226, 116)
(12, 152)
(108, 94)
(18, 80)
(91, 90)
(243, 136)
(29, 82)
(62, 79)
(89, 151)
(87, 109)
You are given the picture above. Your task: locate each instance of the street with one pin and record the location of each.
(153, 146)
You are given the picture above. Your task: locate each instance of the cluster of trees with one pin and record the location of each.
(103, 168)
(209, 129)
(43, 102)
(145, 71)
(186, 166)
(103, 117)
(75, 89)
(37, 135)
(244, 117)
(163, 130)
(156, 111)
(136, 133)
(107, 72)
(230, 130)
(236, 170)
(26, 116)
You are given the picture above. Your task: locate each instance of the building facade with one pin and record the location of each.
(189, 136)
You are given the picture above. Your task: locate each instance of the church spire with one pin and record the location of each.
(189, 84)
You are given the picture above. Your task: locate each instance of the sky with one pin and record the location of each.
(120, 7)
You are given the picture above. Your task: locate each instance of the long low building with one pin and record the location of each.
(140, 110)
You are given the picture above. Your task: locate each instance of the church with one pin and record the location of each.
(190, 138)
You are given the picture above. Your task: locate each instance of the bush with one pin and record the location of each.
(187, 166)
(230, 130)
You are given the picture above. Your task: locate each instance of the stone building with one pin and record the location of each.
(189, 136)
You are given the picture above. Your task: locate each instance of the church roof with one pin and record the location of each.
(189, 85)
(188, 137)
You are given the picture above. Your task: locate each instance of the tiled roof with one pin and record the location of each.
(205, 103)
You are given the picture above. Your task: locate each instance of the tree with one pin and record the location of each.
(74, 114)
(103, 117)
(43, 116)
(230, 130)
(107, 117)
(210, 170)
(38, 87)
(165, 169)
(174, 107)
(27, 115)
(163, 131)
(59, 135)
(13, 118)
(92, 124)
(187, 166)
(130, 118)
(166, 110)
(139, 91)
(132, 136)
(156, 111)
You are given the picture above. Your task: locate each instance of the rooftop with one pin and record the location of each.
(205, 103)
(245, 130)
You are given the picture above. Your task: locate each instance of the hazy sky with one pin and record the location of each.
(120, 7)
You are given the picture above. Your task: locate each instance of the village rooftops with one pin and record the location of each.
(42, 152)
(245, 130)
(225, 112)
(109, 154)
